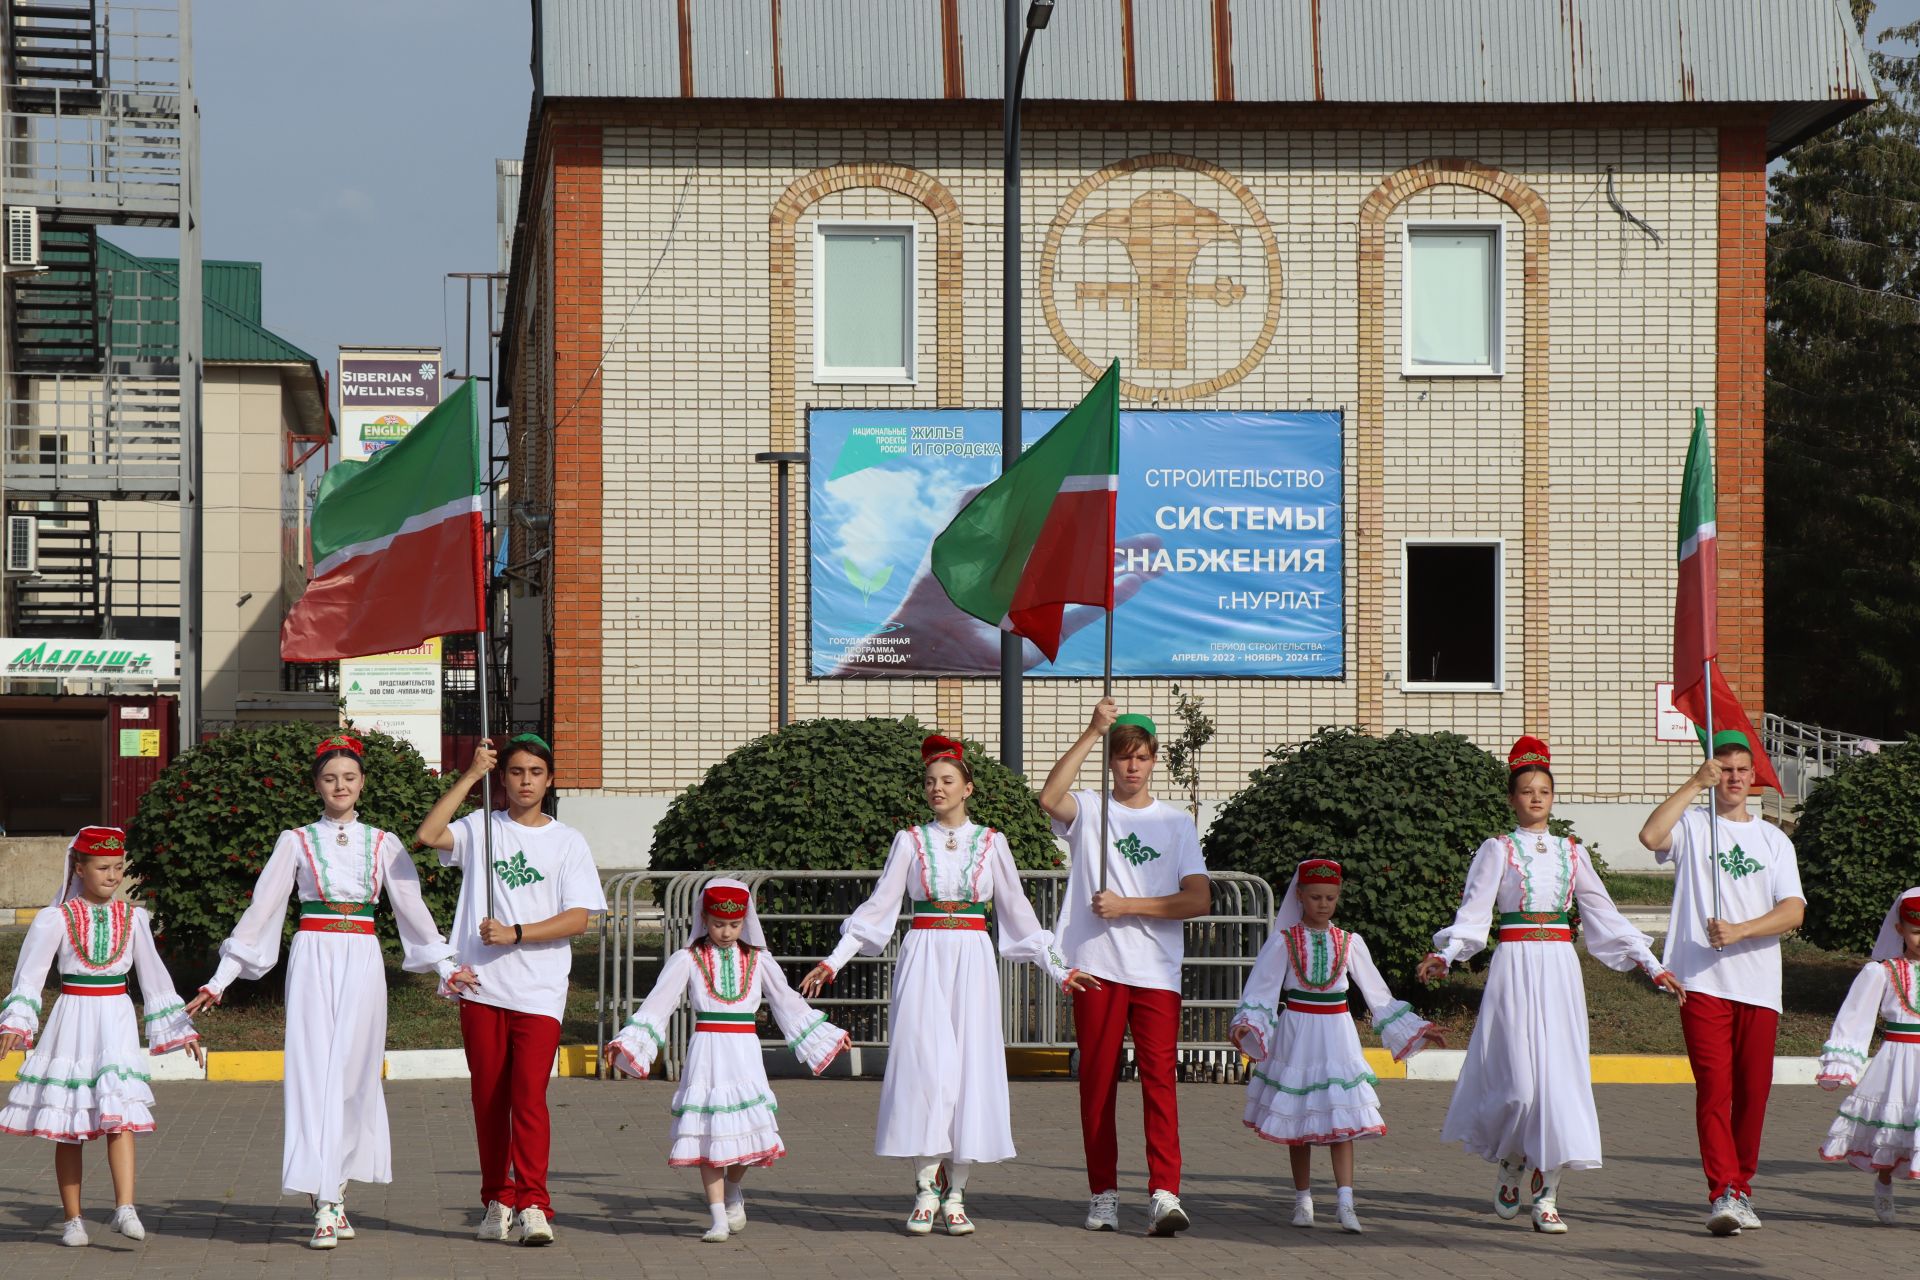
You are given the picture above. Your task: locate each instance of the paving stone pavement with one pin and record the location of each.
(208, 1182)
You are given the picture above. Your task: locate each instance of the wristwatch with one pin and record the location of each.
(516, 935)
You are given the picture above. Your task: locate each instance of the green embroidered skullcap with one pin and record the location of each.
(1137, 721)
(534, 738)
(1726, 738)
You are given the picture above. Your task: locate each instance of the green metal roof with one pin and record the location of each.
(231, 334)
(233, 284)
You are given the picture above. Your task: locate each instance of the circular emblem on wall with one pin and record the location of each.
(1166, 262)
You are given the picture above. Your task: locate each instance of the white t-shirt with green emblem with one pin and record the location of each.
(538, 872)
(1757, 871)
(1149, 852)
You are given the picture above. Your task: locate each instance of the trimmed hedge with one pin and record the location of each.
(1858, 842)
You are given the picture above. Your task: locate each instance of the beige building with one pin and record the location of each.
(1513, 257)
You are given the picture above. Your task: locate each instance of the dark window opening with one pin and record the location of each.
(1453, 614)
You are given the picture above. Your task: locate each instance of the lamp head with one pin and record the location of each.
(1039, 14)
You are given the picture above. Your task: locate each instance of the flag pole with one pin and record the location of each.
(482, 639)
(486, 780)
(1106, 756)
(1708, 645)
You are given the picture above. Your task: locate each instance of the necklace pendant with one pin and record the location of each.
(1540, 845)
(340, 837)
(953, 841)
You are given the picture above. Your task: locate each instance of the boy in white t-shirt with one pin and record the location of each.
(1129, 935)
(1729, 962)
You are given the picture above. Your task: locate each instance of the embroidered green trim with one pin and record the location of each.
(1393, 1017)
(815, 1025)
(1831, 1050)
(1248, 1007)
(125, 1073)
(158, 1014)
(647, 1027)
(1365, 1077)
(1844, 1114)
(28, 1001)
(692, 1108)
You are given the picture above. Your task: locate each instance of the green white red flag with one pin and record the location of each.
(1040, 537)
(397, 544)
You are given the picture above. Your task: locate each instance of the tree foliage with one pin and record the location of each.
(1858, 841)
(1843, 414)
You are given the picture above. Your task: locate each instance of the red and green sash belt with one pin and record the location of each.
(739, 1024)
(1902, 1032)
(950, 915)
(336, 917)
(1535, 926)
(98, 984)
(1316, 1001)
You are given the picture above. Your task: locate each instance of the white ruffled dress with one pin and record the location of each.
(1526, 1089)
(724, 1110)
(1310, 1084)
(1874, 1130)
(82, 1078)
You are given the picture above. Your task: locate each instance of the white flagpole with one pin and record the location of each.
(1710, 643)
(1106, 759)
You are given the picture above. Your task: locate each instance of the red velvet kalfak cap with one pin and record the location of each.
(100, 842)
(724, 902)
(1318, 871)
(340, 742)
(939, 747)
(1528, 750)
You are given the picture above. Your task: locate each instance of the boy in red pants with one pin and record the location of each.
(1130, 936)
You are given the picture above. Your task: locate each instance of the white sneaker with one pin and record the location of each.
(1743, 1205)
(736, 1214)
(1166, 1217)
(127, 1223)
(534, 1227)
(1103, 1212)
(1723, 1219)
(496, 1223)
(73, 1233)
(1506, 1189)
(926, 1203)
(1883, 1203)
(1303, 1213)
(716, 1235)
(324, 1235)
(1349, 1220)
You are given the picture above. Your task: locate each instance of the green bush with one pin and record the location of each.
(1858, 840)
(1402, 814)
(209, 822)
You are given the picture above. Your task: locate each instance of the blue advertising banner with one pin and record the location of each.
(1227, 556)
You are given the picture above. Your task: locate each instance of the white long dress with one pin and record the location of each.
(724, 1112)
(336, 1111)
(1875, 1127)
(1310, 1084)
(82, 1078)
(1526, 1089)
(945, 1090)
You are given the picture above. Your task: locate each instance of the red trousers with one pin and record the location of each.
(510, 1060)
(1730, 1045)
(1100, 1020)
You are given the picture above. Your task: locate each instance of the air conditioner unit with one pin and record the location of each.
(23, 544)
(23, 237)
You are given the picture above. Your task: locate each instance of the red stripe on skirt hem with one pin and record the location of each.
(1318, 1139)
(88, 1136)
(759, 1160)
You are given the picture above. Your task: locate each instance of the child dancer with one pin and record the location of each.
(723, 1111)
(1525, 1094)
(1875, 1128)
(336, 1111)
(1310, 1085)
(83, 1079)
(944, 1098)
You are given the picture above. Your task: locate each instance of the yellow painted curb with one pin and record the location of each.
(10, 1066)
(578, 1060)
(1384, 1066)
(1038, 1062)
(1636, 1068)
(252, 1065)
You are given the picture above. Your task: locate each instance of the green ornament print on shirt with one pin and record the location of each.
(517, 874)
(1736, 863)
(1135, 851)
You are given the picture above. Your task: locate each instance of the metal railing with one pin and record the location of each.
(1802, 754)
(801, 911)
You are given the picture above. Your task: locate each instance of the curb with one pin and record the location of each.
(238, 1066)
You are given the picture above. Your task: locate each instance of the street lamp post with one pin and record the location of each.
(1012, 648)
(782, 515)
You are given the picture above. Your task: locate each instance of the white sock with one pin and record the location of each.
(736, 1193)
(957, 1171)
(719, 1212)
(1302, 1195)
(1344, 1197)
(1882, 1190)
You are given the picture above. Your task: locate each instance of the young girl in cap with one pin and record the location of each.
(723, 1111)
(1874, 1130)
(1310, 1085)
(336, 1111)
(944, 1098)
(1525, 1094)
(83, 1079)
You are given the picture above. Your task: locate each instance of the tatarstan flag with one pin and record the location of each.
(1041, 536)
(397, 544)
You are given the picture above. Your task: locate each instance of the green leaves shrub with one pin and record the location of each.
(208, 824)
(1858, 843)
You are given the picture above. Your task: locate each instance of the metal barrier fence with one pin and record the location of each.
(800, 912)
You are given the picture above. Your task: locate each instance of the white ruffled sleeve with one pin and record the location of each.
(871, 926)
(164, 1013)
(645, 1034)
(254, 947)
(1021, 937)
(1843, 1058)
(1402, 1031)
(1609, 938)
(813, 1039)
(423, 949)
(20, 1011)
(1257, 1020)
(1466, 937)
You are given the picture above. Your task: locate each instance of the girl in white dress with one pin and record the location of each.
(1525, 1094)
(723, 1111)
(82, 1078)
(1310, 1085)
(944, 1098)
(1874, 1130)
(336, 1111)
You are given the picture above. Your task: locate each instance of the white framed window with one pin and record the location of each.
(864, 301)
(1451, 615)
(1452, 299)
